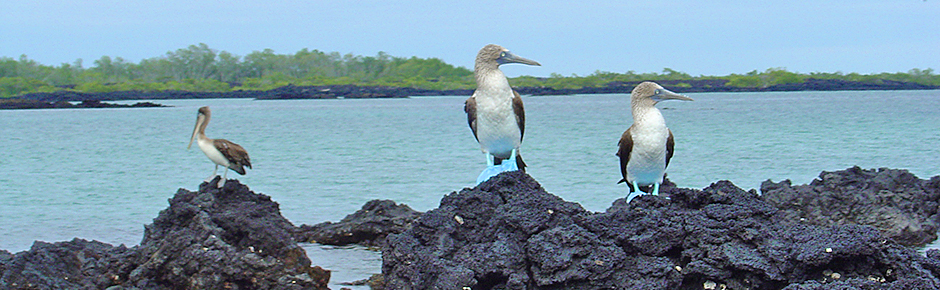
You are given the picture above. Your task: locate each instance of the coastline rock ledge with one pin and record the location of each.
(509, 233)
(216, 238)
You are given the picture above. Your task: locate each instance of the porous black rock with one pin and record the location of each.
(895, 201)
(477, 237)
(222, 238)
(76, 264)
(508, 233)
(368, 226)
(216, 238)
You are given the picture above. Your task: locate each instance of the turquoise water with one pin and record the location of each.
(103, 173)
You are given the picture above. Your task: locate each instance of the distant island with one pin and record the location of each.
(49, 99)
(201, 72)
(20, 104)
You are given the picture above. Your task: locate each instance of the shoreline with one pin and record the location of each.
(25, 104)
(371, 92)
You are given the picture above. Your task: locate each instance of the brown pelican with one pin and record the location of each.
(494, 111)
(647, 146)
(220, 151)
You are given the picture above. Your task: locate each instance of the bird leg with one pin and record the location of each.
(492, 169)
(224, 178)
(636, 187)
(655, 189)
(213, 173)
(512, 161)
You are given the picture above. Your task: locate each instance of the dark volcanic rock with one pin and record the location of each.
(228, 238)
(14, 104)
(77, 264)
(812, 84)
(898, 203)
(368, 226)
(354, 91)
(477, 237)
(508, 233)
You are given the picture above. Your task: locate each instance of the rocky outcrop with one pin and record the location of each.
(216, 238)
(508, 233)
(222, 239)
(904, 207)
(368, 226)
(76, 264)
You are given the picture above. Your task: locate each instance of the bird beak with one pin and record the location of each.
(199, 120)
(508, 57)
(664, 94)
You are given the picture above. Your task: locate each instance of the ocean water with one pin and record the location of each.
(103, 173)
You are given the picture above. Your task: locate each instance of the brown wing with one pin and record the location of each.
(520, 113)
(626, 146)
(235, 154)
(670, 143)
(470, 106)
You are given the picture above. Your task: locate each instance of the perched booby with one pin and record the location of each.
(647, 146)
(220, 151)
(495, 112)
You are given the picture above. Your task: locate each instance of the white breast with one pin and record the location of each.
(648, 157)
(497, 128)
(209, 149)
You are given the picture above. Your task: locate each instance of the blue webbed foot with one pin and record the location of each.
(492, 170)
(637, 191)
(633, 195)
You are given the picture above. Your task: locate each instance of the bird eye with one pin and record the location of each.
(502, 54)
(658, 91)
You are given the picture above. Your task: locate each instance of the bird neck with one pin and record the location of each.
(491, 79)
(201, 136)
(201, 127)
(647, 116)
(482, 69)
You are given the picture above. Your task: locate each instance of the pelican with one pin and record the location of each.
(220, 151)
(495, 112)
(647, 146)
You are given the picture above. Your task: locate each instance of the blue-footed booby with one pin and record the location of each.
(495, 112)
(220, 151)
(647, 146)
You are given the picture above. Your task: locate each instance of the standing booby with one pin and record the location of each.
(220, 151)
(495, 112)
(647, 146)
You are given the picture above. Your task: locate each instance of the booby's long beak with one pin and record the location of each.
(199, 120)
(664, 94)
(509, 57)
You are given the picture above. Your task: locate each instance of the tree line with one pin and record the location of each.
(202, 69)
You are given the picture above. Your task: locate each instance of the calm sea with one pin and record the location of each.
(103, 173)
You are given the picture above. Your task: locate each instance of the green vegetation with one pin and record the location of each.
(202, 69)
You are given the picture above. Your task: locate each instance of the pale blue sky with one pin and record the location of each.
(567, 37)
